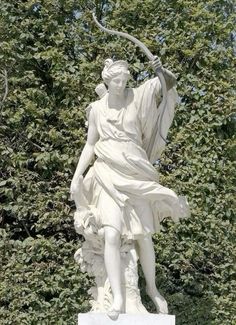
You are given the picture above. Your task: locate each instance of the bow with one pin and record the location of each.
(159, 73)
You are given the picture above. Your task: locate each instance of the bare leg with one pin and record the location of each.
(147, 260)
(113, 268)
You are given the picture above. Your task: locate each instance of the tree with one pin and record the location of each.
(51, 57)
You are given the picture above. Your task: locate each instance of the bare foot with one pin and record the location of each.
(113, 314)
(116, 308)
(158, 300)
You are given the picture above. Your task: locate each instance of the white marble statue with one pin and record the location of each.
(120, 203)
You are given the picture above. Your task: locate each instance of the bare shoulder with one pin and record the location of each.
(98, 104)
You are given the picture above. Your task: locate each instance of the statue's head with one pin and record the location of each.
(115, 75)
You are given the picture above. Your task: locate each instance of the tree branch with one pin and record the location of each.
(5, 78)
(26, 229)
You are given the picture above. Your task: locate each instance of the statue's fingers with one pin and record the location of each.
(157, 63)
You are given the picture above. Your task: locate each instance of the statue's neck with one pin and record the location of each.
(116, 101)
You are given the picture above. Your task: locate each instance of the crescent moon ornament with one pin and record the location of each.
(159, 73)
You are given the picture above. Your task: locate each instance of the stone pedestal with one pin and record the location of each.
(126, 319)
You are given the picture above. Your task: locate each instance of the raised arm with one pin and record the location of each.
(87, 154)
(170, 78)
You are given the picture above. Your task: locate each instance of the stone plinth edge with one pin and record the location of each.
(126, 319)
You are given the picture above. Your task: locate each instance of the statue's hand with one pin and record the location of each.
(76, 187)
(170, 78)
(77, 193)
(156, 63)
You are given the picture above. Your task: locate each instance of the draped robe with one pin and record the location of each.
(122, 187)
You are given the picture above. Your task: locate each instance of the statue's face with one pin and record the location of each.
(118, 83)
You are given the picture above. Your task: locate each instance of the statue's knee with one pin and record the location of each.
(112, 236)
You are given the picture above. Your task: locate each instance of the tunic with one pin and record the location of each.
(122, 187)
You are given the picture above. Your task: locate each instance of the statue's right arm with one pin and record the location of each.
(87, 154)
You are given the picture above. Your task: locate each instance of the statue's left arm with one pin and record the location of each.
(170, 78)
(155, 120)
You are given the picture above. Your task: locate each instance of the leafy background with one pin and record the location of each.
(51, 57)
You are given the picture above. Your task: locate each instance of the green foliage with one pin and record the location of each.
(53, 54)
(40, 284)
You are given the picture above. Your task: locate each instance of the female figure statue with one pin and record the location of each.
(124, 189)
